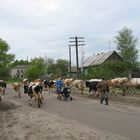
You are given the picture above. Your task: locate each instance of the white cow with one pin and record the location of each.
(77, 84)
(91, 80)
(132, 84)
(68, 81)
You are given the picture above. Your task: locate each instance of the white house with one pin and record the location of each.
(18, 71)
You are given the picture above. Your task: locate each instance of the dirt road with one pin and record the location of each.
(80, 119)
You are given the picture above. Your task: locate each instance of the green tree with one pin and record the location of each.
(49, 61)
(37, 69)
(63, 65)
(126, 44)
(5, 59)
(60, 67)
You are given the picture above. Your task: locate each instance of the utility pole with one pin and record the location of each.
(70, 60)
(76, 40)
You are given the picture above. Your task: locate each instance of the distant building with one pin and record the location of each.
(73, 72)
(96, 60)
(19, 71)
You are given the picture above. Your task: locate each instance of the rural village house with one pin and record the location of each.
(18, 71)
(96, 60)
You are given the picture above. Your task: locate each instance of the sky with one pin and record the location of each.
(42, 28)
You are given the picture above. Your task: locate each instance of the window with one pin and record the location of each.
(18, 71)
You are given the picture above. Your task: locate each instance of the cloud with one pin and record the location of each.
(35, 27)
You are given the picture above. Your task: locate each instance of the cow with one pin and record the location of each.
(1, 92)
(116, 83)
(135, 82)
(132, 84)
(48, 84)
(3, 86)
(68, 81)
(38, 80)
(17, 88)
(91, 84)
(35, 90)
(77, 84)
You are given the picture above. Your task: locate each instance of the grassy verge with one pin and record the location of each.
(13, 81)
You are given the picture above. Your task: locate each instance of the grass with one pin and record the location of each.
(13, 81)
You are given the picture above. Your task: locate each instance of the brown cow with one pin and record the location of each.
(118, 83)
(17, 88)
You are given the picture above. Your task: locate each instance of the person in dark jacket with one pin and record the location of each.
(104, 90)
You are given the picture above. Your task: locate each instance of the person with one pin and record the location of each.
(104, 90)
(59, 86)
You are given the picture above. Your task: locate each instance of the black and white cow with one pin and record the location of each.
(48, 84)
(3, 86)
(91, 84)
(35, 91)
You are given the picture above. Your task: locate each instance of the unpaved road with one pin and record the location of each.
(80, 119)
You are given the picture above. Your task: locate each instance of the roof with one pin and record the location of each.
(97, 59)
(21, 66)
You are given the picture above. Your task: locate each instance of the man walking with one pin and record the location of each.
(104, 90)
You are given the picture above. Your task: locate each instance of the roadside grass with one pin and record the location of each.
(13, 81)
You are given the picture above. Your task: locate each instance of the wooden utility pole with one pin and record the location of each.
(76, 40)
(70, 60)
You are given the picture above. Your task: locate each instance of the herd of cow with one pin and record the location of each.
(34, 89)
(123, 83)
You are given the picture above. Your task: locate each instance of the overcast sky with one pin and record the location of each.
(36, 28)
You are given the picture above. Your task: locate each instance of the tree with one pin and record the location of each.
(5, 59)
(126, 44)
(63, 65)
(37, 69)
(49, 61)
(58, 68)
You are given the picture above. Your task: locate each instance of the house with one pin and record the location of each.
(19, 71)
(73, 72)
(96, 60)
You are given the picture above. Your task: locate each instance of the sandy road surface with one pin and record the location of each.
(81, 119)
